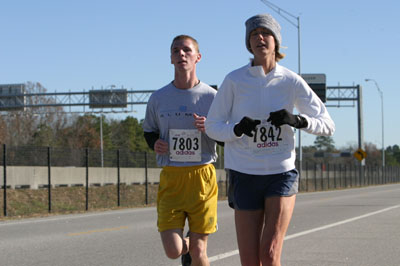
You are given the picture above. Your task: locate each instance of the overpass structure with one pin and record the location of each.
(13, 97)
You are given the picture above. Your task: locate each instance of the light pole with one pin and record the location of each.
(101, 140)
(383, 131)
(297, 25)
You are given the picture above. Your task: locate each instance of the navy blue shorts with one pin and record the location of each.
(248, 192)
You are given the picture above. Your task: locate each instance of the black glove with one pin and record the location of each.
(283, 117)
(246, 126)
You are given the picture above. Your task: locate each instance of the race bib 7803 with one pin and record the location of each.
(185, 145)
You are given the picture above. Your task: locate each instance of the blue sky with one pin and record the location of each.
(79, 45)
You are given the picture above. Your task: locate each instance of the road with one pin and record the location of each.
(345, 227)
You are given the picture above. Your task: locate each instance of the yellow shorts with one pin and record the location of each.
(190, 192)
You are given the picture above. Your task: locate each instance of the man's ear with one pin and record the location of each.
(198, 57)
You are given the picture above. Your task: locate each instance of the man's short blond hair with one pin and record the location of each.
(186, 37)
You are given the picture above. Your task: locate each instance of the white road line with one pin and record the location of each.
(236, 252)
(224, 255)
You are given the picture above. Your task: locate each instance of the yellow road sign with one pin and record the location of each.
(360, 154)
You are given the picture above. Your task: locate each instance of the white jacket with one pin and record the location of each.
(248, 91)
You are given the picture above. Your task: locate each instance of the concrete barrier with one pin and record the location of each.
(35, 177)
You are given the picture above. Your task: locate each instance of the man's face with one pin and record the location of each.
(184, 55)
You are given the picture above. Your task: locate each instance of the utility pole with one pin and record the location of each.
(295, 21)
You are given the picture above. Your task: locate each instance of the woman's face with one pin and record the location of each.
(262, 42)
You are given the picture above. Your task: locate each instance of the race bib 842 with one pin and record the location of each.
(267, 139)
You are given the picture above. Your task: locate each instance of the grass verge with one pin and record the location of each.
(24, 203)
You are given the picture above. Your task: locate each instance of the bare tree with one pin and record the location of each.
(20, 127)
(373, 154)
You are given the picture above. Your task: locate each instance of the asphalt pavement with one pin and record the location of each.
(357, 227)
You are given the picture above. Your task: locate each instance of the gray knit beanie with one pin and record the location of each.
(264, 21)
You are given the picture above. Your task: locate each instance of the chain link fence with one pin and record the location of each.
(121, 189)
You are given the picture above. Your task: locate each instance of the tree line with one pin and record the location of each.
(324, 151)
(52, 127)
